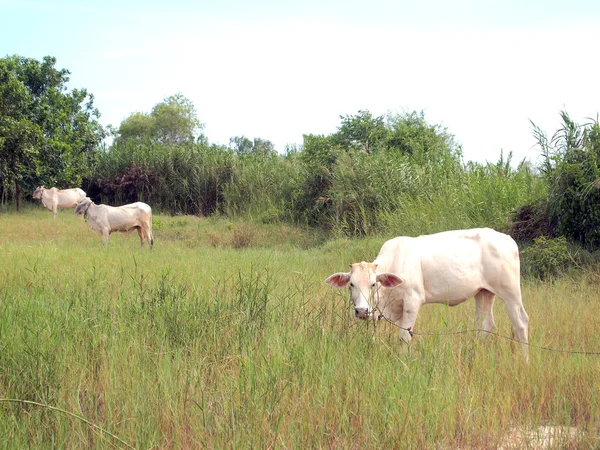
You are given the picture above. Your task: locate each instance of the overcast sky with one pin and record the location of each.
(280, 69)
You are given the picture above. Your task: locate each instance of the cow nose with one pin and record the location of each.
(361, 312)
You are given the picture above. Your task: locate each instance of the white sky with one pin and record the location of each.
(281, 69)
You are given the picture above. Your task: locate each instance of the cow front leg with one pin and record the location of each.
(105, 236)
(407, 321)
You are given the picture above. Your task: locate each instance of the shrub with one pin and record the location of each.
(243, 236)
(572, 169)
(546, 258)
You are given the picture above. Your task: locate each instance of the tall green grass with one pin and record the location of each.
(198, 343)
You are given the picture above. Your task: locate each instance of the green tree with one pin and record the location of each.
(175, 120)
(411, 135)
(172, 121)
(47, 134)
(137, 127)
(259, 147)
(408, 134)
(318, 159)
(18, 135)
(362, 132)
(240, 144)
(263, 147)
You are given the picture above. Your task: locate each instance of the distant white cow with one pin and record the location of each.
(54, 198)
(105, 219)
(448, 267)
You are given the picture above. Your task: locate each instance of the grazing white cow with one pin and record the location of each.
(105, 219)
(54, 198)
(448, 267)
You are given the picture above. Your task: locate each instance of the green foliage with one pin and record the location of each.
(546, 258)
(410, 134)
(572, 170)
(362, 132)
(181, 179)
(412, 182)
(317, 159)
(137, 127)
(47, 134)
(259, 147)
(172, 121)
(416, 186)
(263, 188)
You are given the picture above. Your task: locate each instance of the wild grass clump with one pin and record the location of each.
(180, 179)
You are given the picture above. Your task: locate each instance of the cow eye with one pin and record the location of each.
(351, 285)
(373, 285)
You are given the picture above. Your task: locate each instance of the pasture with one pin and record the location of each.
(225, 336)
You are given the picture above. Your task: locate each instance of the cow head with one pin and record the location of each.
(39, 191)
(363, 281)
(83, 206)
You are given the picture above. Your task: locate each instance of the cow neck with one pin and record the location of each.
(381, 316)
(85, 213)
(376, 294)
(42, 192)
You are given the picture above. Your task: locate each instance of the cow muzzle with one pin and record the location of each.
(362, 313)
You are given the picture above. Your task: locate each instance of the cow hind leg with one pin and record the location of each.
(142, 235)
(484, 312)
(149, 237)
(519, 318)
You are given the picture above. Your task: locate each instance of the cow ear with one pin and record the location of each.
(338, 280)
(389, 280)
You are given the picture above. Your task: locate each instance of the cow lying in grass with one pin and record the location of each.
(448, 267)
(54, 198)
(105, 219)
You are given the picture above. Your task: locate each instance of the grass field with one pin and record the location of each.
(225, 336)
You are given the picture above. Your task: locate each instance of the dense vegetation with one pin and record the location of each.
(47, 134)
(326, 184)
(376, 175)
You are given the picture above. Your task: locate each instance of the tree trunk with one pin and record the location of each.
(18, 195)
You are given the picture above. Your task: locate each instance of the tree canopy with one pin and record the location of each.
(47, 133)
(172, 121)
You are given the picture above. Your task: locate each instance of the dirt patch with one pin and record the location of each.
(541, 438)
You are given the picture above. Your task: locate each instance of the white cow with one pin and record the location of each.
(105, 219)
(54, 198)
(448, 267)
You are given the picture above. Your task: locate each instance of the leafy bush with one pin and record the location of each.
(546, 258)
(572, 169)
